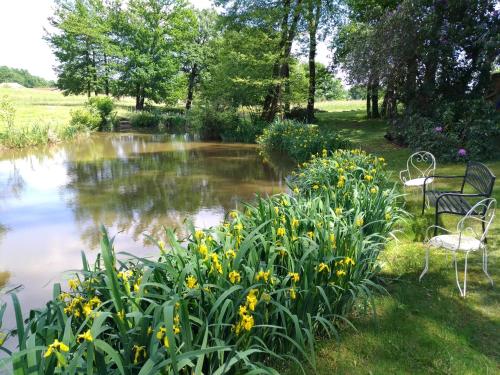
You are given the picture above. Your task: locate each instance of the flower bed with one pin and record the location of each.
(298, 140)
(261, 286)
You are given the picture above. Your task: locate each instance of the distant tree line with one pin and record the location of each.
(23, 77)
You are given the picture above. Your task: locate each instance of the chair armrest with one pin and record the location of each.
(427, 237)
(403, 175)
(436, 176)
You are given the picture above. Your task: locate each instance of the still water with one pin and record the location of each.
(52, 201)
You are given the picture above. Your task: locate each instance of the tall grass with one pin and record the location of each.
(231, 299)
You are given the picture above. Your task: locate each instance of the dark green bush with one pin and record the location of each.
(145, 119)
(463, 130)
(298, 140)
(227, 125)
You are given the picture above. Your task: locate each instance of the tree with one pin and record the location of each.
(318, 13)
(149, 36)
(328, 87)
(79, 44)
(358, 47)
(241, 68)
(279, 17)
(199, 52)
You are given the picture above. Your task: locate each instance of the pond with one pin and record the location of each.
(53, 200)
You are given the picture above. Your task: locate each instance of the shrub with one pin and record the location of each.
(298, 140)
(464, 130)
(174, 123)
(227, 125)
(85, 119)
(261, 285)
(7, 112)
(104, 106)
(145, 119)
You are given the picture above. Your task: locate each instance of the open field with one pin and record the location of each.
(48, 106)
(418, 328)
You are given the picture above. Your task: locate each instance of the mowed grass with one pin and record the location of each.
(49, 106)
(418, 328)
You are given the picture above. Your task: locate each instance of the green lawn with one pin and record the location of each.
(419, 328)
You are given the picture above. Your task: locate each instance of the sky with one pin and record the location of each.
(22, 27)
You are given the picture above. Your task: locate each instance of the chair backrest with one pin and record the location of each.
(479, 177)
(421, 164)
(487, 208)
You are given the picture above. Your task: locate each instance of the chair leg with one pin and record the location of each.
(484, 228)
(426, 267)
(485, 265)
(464, 290)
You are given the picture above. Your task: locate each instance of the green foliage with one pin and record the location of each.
(23, 77)
(227, 125)
(150, 37)
(357, 92)
(328, 87)
(168, 120)
(337, 169)
(87, 118)
(241, 70)
(81, 44)
(298, 140)
(261, 285)
(105, 106)
(7, 112)
(145, 119)
(470, 125)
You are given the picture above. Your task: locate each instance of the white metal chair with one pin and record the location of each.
(420, 165)
(466, 239)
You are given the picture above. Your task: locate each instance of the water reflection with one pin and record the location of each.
(54, 199)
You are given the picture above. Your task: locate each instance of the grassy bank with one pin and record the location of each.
(419, 328)
(43, 116)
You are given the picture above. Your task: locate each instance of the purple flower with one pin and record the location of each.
(438, 129)
(462, 152)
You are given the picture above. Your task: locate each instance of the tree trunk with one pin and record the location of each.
(191, 81)
(106, 75)
(368, 100)
(94, 74)
(272, 99)
(288, 92)
(313, 28)
(411, 83)
(139, 105)
(375, 86)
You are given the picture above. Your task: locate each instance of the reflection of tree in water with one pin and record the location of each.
(140, 189)
(13, 184)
